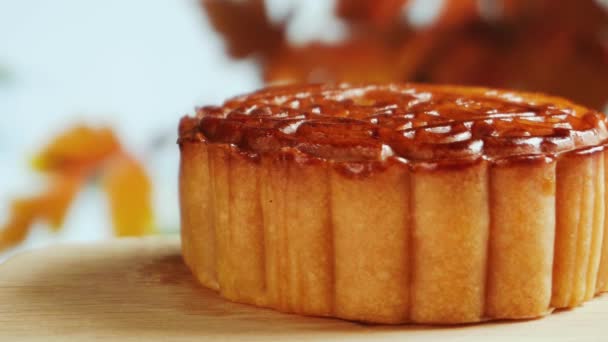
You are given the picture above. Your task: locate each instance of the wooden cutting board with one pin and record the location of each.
(139, 289)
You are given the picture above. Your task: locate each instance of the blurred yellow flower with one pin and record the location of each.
(70, 160)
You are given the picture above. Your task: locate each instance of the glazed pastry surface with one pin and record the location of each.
(416, 123)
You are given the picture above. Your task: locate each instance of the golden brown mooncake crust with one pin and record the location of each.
(396, 203)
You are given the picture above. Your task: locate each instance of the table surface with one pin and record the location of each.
(139, 289)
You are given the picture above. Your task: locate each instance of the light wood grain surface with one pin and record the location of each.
(139, 289)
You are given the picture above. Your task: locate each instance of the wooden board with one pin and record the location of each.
(139, 289)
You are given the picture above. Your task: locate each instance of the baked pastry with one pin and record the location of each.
(396, 203)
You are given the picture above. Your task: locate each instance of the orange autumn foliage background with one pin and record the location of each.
(556, 47)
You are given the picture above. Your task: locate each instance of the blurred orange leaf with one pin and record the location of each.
(50, 207)
(129, 190)
(70, 160)
(79, 147)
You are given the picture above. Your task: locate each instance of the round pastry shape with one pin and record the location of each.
(396, 203)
